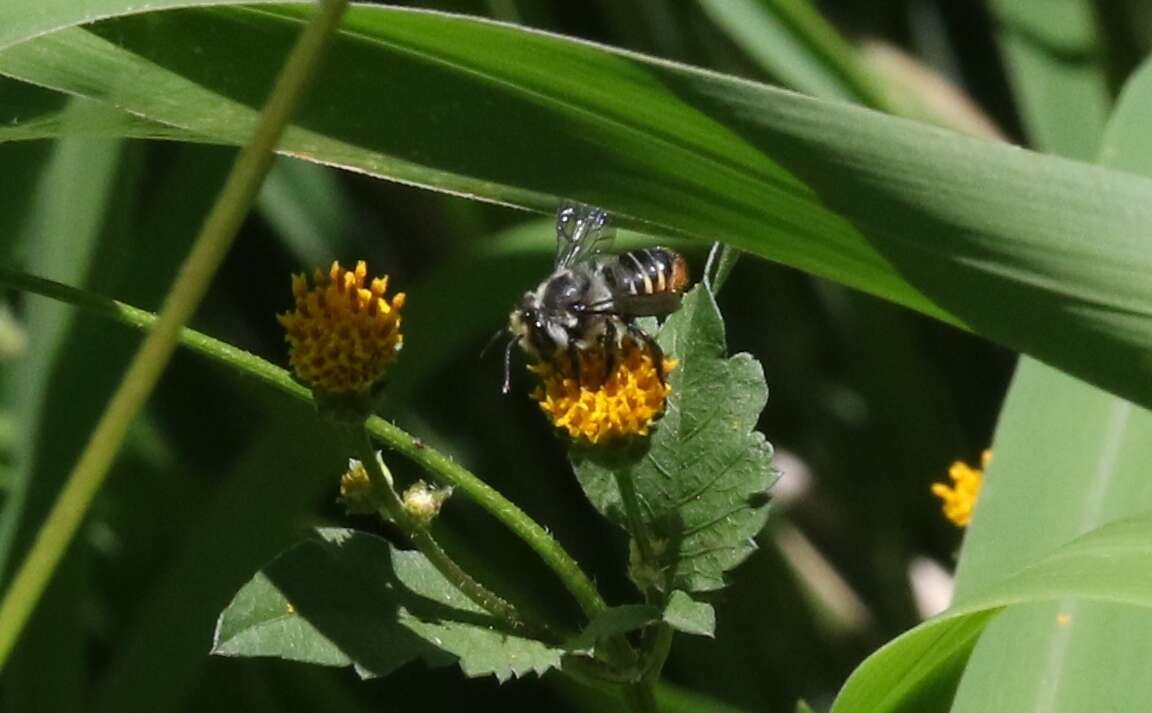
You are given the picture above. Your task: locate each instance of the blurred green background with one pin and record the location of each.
(869, 404)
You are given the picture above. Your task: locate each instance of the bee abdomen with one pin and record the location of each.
(649, 271)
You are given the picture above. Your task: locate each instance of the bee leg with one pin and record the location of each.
(609, 347)
(574, 359)
(508, 363)
(653, 348)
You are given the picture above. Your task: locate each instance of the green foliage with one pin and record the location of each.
(922, 217)
(613, 622)
(1044, 255)
(685, 614)
(349, 598)
(1087, 450)
(1107, 565)
(702, 478)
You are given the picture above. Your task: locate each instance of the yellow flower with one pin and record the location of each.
(356, 490)
(603, 407)
(342, 336)
(959, 499)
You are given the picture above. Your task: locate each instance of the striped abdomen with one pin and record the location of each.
(647, 281)
(648, 271)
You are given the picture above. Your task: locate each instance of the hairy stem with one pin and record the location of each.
(208, 251)
(439, 466)
(389, 501)
(635, 517)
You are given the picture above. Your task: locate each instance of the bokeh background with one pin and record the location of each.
(869, 403)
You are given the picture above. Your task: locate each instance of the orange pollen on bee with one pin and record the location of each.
(599, 406)
(679, 278)
(342, 334)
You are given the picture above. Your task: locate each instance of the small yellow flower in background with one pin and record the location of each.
(959, 499)
(603, 407)
(342, 335)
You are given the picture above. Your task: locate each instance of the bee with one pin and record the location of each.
(592, 301)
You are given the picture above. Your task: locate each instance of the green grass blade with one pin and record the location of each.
(1068, 458)
(1056, 65)
(912, 673)
(1126, 145)
(966, 230)
(50, 386)
(67, 512)
(274, 483)
(305, 204)
(793, 43)
(1073, 458)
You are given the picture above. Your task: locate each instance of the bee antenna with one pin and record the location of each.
(492, 341)
(508, 363)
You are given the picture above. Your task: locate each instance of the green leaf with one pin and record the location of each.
(916, 671)
(57, 382)
(1072, 457)
(1053, 51)
(683, 613)
(703, 476)
(274, 483)
(1086, 452)
(305, 205)
(1126, 143)
(792, 42)
(1067, 458)
(966, 230)
(347, 597)
(613, 622)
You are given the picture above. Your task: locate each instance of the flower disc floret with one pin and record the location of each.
(343, 334)
(959, 499)
(598, 407)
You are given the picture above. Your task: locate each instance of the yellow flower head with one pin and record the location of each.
(342, 335)
(960, 498)
(603, 407)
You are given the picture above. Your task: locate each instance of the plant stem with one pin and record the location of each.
(634, 516)
(641, 698)
(508, 513)
(442, 468)
(658, 643)
(658, 648)
(393, 507)
(192, 281)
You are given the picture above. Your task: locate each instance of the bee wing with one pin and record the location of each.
(659, 304)
(581, 232)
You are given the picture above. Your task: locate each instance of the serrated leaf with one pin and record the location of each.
(613, 622)
(683, 613)
(703, 476)
(349, 598)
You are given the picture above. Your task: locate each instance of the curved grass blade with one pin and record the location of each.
(966, 230)
(1112, 564)
(1073, 457)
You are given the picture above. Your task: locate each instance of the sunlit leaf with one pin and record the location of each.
(349, 598)
(703, 476)
(685, 614)
(969, 231)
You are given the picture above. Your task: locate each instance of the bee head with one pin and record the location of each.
(528, 326)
